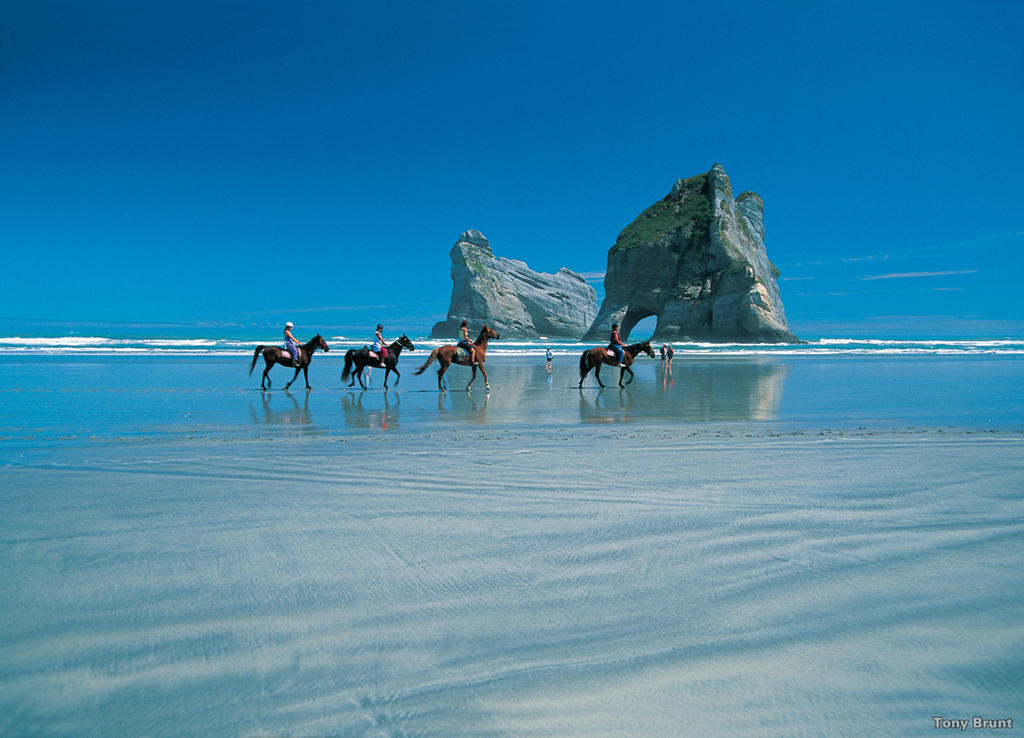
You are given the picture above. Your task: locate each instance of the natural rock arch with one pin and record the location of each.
(696, 259)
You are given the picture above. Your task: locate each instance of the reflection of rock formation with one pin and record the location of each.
(727, 390)
(512, 298)
(696, 259)
(700, 391)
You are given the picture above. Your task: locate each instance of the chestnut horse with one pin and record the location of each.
(595, 357)
(277, 355)
(448, 355)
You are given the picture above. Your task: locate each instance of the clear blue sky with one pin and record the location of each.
(220, 167)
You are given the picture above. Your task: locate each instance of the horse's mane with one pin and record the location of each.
(482, 335)
(637, 347)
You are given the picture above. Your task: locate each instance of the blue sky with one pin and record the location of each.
(220, 167)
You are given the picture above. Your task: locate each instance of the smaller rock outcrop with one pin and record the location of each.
(512, 298)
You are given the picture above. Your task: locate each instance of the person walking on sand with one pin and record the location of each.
(615, 344)
(380, 346)
(465, 343)
(548, 357)
(663, 354)
(290, 344)
(669, 353)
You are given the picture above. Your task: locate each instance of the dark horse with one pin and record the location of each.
(448, 355)
(361, 358)
(595, 357)
(277, 355)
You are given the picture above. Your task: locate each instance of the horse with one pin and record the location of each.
(361, 358)
(448, 355)
(595, 357)
(277, 355)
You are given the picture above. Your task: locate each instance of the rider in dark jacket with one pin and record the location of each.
(616, 344)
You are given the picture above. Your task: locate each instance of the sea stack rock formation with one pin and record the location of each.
(696, 259)
(512, 298)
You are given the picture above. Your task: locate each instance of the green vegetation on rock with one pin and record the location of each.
(687, 205)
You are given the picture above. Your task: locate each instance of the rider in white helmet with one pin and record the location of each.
(290, 343)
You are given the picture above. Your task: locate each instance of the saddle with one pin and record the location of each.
(373, 355)
(461, 354)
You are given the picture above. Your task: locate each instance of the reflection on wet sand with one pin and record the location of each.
(278, 411)
(609, 405)
(708, 391)
(723, 391)
(369, 410)
(527, 394)
(463, 405)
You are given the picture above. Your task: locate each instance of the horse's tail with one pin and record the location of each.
(584, 362)
(255, 355)
(347, 371)
(433, 355)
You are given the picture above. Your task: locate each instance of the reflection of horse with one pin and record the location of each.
(601, 408)
(298, 414)
(448, 355)
(277, 355)
(595, 357)
(358, 416)
(361, 359)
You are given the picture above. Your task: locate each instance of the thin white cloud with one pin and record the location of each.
(915, 275)
(592, 275)
(874, 257)
(797, 279)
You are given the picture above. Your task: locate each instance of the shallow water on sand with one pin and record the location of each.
(810, 547)
(67, 398)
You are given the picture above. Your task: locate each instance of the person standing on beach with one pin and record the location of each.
(663, 354)
(290, 343)
(669, 352)
(465, 343)
(548, 357)
(615, 344)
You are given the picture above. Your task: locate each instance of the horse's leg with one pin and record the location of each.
(487, 384)
(440, 373)
(397, 375)
(305, 376)
(293, 378)
(630, 370)
(266, 379)
(387, 373)
(471, 379)
(597, 375)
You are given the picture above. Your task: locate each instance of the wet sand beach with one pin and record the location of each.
(745, 548)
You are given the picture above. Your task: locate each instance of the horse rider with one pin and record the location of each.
(290, 343)
(465, 343)
(616, 345)
(380, 347)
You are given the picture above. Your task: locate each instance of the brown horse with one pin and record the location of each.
(448, 355)
(277, 355)
(595, 357)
